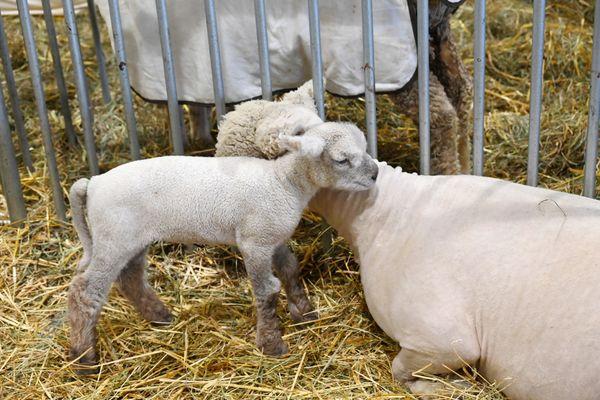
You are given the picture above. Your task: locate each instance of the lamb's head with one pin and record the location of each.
(334, 156)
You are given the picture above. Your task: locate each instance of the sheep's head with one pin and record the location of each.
(335, 156)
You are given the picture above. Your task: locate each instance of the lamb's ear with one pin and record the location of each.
(311, 146)
(292, 121)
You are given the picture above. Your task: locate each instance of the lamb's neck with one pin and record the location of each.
(294, 172)
(359, 216)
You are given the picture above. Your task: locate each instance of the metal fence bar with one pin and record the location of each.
(317, 59)
(14, 98)
(369, 75)
(117, 30)
(479, 87)
(99, 53)
(423, 67)
(535, 100)
(9, 173)
(58, 74)
(591, 144)
(82, 88)
(175, 117)
(205, 126)
(215, 57)
(263, 49)
(40, 99)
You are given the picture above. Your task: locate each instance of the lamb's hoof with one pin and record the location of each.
(275, 348)
(307, 314)
(85, 365)
(159, 316)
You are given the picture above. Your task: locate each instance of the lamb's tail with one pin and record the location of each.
(302, 96)
(77, 198)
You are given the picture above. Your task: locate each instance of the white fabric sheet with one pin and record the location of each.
(9, 7)
(289, 46)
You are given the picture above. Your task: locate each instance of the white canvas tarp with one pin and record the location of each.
(289, 46)
(9, 7)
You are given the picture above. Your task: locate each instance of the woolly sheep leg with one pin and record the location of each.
(286, 268)
(458, 86)
(444, 123)
(133, 285)
(258, 260)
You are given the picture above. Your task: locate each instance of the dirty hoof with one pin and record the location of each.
(302, 314)
(159, 315)
(275, 348)
(85, 365)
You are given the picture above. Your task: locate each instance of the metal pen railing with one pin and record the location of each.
(8, 161)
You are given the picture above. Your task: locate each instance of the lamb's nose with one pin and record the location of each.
(374, 176)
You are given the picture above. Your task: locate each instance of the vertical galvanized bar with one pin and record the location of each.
(317, 59)
(175, 116)
(215, 57)
(205, 126)
(99, 53)
(9, 173)
(82, 88)
(58, 74)
(40, 99)
(263, 49)
(479, 87)
(423, 62)
(591, 144)
(121, 55)
(14, 98)
(369, 74)
(535, 100)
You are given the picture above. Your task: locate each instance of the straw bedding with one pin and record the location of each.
(208, 352)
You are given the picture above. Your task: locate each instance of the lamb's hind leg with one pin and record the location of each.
(259, 264)
(87, 294)
(133, 284)
(286, 268)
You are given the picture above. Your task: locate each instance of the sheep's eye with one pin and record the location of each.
(343, 161)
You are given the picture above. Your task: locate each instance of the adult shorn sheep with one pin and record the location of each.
(290, 56)
(473, 270)
(253, 203)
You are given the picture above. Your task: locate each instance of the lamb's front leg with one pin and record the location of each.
(258, 260)
(286, 268)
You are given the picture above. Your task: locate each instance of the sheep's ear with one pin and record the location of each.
(311, 146)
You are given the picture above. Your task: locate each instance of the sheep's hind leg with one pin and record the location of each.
(258, 260)
(133, 284)
(87, 294)
(286, 268)
(408, 362)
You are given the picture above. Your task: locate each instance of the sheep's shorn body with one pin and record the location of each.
(252, 203)
(475, 270)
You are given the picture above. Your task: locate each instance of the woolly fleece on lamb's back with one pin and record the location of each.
(254, 127)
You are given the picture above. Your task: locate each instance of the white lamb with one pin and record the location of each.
(252, 203)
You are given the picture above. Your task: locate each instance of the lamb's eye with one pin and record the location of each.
(343, 161)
